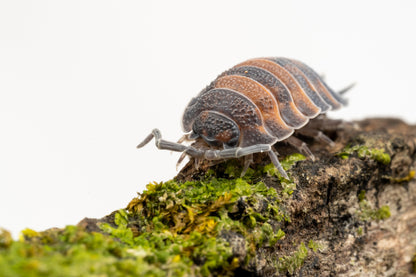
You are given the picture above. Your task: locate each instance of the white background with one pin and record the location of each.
(83, 82)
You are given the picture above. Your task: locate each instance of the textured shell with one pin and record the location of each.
(268, 98)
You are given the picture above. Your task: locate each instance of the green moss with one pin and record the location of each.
(314, 246)
(382, 213)
(5, 239)
(71, 252)
(211, 208)
(368, 213)
(406, 178)
(293, 262)
(363, 152)
(361, 195)
(288, 186)
(29, 233)
(170, 229)
(233, 169)
(414, 263)
(286, 163)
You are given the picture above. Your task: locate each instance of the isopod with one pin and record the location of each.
(250, 107)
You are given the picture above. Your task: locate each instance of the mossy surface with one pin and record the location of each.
(414, 263)
(293, 262)
(367, 212)
(315, 246)
(170, 229)
(363, 152)
(210, 222)
(71, 252)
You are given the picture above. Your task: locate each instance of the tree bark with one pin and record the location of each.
(356, 209)
(328, 209)
(355, 238)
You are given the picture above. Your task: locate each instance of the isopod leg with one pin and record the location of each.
(277, 164)
(249, 150)
(317, 135)
(247, 161)
(234, 152)
(322, 137)
(301, 146)
(214, 154)
(181, 158)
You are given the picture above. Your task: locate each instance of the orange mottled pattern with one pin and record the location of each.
(303, 103)
(266, 98)
(261, 97)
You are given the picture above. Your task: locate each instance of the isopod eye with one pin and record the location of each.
(216, 129)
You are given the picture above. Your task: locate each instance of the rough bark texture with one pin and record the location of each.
(327, 208)
(342, 205)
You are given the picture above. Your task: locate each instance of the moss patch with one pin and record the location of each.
(5, 239)
(406, 178)
(287, 163)
(293, 262)
(197, 228)
(363, 152)
(414, 263)
(214, 210)
(315, 246)
(71, 252)
(367, 212)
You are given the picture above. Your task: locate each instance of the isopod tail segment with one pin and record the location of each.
(211, 154)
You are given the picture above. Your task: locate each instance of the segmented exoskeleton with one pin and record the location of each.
(250, 107)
